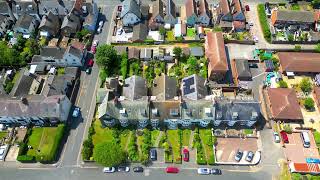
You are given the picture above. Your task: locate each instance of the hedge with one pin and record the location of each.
(264, 23)
(25, 158)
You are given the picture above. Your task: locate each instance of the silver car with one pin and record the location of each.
(250, 156)
(204, 171)
(109, 170)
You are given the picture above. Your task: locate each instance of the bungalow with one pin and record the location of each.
(283, 104)
(130, 13)
(204, 16)
(191, 12)
(216, 55)
(49, 25)
(25, 25)
(292, 19)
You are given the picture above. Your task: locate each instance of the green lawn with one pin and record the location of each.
(139, 143)
(295, 7)
(191, 32)
(248, 131)
(124, 138)
(186, 137)
(154, 136)
(316, 135)
(170, 36)
(173, 139)
(45, 141)
(101, 134)
(206, 138)
(3, 134)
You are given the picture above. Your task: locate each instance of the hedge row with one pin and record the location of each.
(264, 22)
(25, 158)
(87, 146)
(145, 147)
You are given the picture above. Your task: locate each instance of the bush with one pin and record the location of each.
(287, 128)
(290, 37)
(23, 149)
(317, 49)
(109, 154)
(308, 103)
(305, 85)
(297, 48)
(264, 23)
(25, 158)
(211, 160)
(316, 135)
(87, 149)
(282, 84)
(133, 149)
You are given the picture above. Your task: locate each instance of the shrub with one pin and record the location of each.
(25, 158)
(287, 128)
(317, 49)
(290, 37)
(282, 84)
(297, 48)
(308, 103)
(305, 85)
(23, 148)
(109, 154)
(264, 22)
(211, 160)
(87, 149)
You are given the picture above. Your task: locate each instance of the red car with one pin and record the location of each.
(90, 63)
(247, 8)
(93, 49)
(284, 137)
(172, 170)
(185, 155)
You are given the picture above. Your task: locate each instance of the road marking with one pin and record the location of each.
(35, 168)
(258, 75)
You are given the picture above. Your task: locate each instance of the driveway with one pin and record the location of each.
(226, 148)
(295, 152)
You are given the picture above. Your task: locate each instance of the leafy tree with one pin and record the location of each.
(109, 154)
(82, 34)
(317, 48)
(124, 65)
(87, 149)
(106, 55)
(192, 65)
(282, 84)
(290, 37)
(162, 31)
(177, 51)
(308, 103)
(287, 128)
(315, 3)
(305, 85)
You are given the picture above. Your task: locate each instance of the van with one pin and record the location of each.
(305, 139)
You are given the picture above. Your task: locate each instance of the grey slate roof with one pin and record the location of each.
(24, 7)
(162, 110)
(71, 21)
(50, 22)
(4, 8)
(164, 88)
(22, 85)
(130, 6)
(193, 87)
(300, 16)
(157, 8)
(140, 32)
(52, 52)
(196, 51)
(196, 110)
(243, 69)
(74, 51)
(24, 21)
(59, 9)
(135, 87)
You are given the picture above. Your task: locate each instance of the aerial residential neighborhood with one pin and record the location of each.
(162, 89)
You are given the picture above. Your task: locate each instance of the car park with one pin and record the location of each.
(238, 155)
(123, 169)
(76, 112)
(249, 156)
(204, 171)
(216, 171)
(109, 169)
(276, 137)
(284, 137)
(185, 155)
(153, 154)
(138, 169)
(171, 169)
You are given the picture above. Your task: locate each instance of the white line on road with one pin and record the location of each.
(258, 75)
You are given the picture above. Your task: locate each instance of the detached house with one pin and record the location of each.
(49, 25)
(191, 12)
(293, 20)
(204, 16)
(157, 17)
(216, 55)
(25, 25)
(130, 13)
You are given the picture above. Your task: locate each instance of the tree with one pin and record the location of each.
(315, 3)
(177, 52)
(106, 55)
(308, 103)
(82, 34)
(282, 84)
(109, 154)
(305, 85)
(162, 31)
(124, 65)
(290, 37)
(192, 65)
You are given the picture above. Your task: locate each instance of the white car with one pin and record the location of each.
(204, 171)
(95, 43)
(255, 39)
(99, 30)
(109, 169)
(276, 137)
(76, 112)
(100, 23)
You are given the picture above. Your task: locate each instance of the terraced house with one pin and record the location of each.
(169, 106)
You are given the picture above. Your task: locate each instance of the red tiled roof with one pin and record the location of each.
(284, 104)
(224, 7)
(215, 52)
(237, 6)
(299, 62)
(191, 7)
(203, 7)
(239, 24)
(317, 94)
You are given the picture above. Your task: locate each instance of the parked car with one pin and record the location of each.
(171, 169)
(250, 24)
(216, 171)
(255, 39)
(88, 70)
(204, 171)
(109, 169)
(138, 169)
(90, 63)
(123, 169)
(101, 24)
(185, 155)
(93, 49)
(250, 156)
(276, 137)
(153, 154)
(76, 112)
(284, 137)
(238, 155)
(99, 30)
(247, 8)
